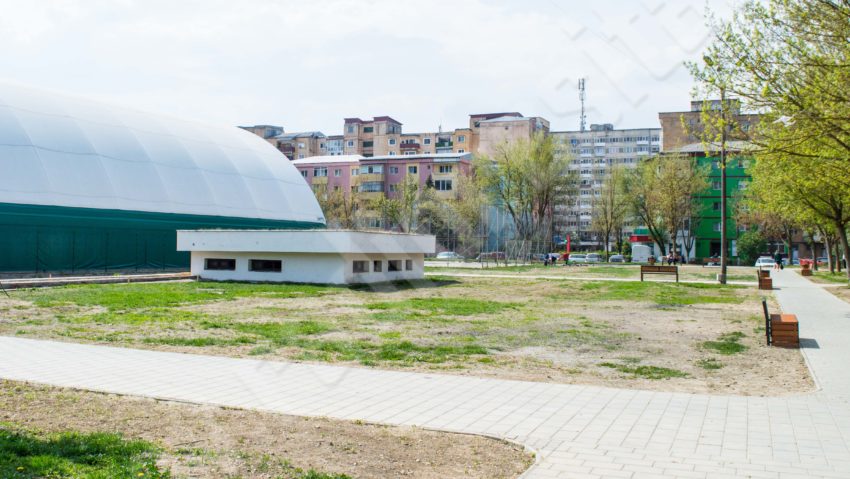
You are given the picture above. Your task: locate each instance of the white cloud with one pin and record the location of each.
(307, 65)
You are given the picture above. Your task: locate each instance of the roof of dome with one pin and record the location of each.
(62, 151)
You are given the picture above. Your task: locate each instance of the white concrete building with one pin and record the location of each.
(306, 256)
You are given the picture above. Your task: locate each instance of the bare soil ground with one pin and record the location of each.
(209, 442)
(658, 336)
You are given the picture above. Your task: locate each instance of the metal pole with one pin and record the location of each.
(724, 255)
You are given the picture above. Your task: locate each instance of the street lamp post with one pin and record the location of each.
(724, 255)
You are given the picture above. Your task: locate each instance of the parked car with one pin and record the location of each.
(578, 258)
(538, 257)
(617, 258)
(594, 258)
(823, 260)
(449, 256)
(765, 262)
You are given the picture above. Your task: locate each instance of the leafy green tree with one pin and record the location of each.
(750, 245)
(661, 193)
(788, 60)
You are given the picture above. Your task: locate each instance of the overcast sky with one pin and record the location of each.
(306, 65)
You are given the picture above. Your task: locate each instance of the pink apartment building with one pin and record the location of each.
(384, 175)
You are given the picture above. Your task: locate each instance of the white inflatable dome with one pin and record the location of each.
(61, 151)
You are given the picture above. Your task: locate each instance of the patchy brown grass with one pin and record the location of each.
(211, 442)
(623, 334)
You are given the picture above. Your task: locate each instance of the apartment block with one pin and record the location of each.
(594, 153)
(384, 176)
(682, 134)
(487, 131)
(335, 145)
(684, 128)
(301, 145)
(377, 137)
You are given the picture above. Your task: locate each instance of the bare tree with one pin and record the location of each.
(609, 208)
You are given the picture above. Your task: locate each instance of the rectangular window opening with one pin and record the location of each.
(219, 264)
(266, 265)
(394, 265)
(361, 267)
(377, 266)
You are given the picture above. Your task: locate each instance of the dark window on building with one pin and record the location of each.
(218, 264)
(266, 265)
(361, 267)
(377, 266)
(394, 265)
(716, 206)
(368, 144)
(368, 129)
(408, 265)
(443, 185)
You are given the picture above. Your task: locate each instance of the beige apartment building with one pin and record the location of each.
(488, 131)
(383, 135)
(683, 128)
(301, 145)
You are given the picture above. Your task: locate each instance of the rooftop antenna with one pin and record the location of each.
(581, 97)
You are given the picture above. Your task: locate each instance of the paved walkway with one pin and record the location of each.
(578, 431)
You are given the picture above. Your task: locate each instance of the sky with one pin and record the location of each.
(306, 65)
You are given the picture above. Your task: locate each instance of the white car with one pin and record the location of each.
(578, 258)
(594, 258)
(765, 262)
(449, 256)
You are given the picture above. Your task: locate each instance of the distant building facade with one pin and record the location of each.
(594, 153)
(301, 145)
(383, 176)
(682, 132)
(266, 132)
(683, 128)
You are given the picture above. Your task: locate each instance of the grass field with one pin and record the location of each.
(522, 328)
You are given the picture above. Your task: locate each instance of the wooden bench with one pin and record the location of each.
(781, 330)
(659, 270)
(708, 261)
(765, 281)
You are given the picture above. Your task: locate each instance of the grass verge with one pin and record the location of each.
(646, 372)
(727, 344)
(25, 454)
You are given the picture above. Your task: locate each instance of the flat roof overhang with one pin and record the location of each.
(305, 241)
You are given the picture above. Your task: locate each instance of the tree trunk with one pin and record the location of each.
(814, 253)
(827, 246)
(842, 235)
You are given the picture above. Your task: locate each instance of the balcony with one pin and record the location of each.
(444, 144)
(409, 146)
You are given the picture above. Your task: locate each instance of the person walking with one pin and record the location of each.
(777, 258)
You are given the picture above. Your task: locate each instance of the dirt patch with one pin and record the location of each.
(204, 441)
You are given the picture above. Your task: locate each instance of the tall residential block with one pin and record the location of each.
(594, 153)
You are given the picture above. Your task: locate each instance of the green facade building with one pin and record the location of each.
(708, 228)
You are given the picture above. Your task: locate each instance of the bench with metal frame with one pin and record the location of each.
(653, 269)
(781, 330)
